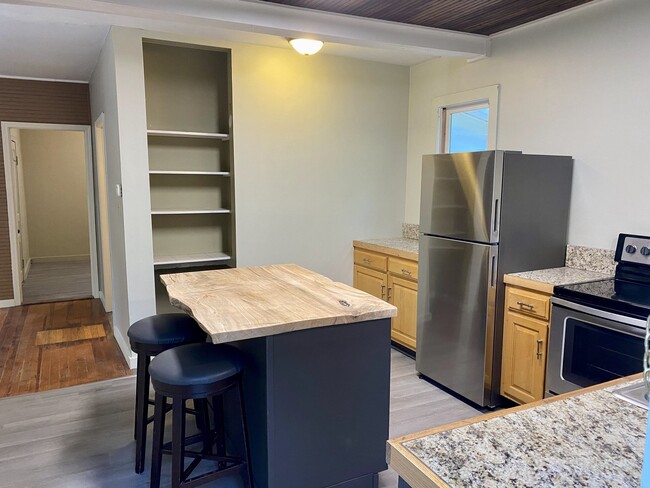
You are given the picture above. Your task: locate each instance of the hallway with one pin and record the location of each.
(59, 280)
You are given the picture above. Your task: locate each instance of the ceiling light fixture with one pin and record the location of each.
(306, 47)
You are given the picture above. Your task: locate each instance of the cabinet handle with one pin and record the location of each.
(382, 291)
(539, 348)
(406, 272)
(527, 305)
(388, 297)
(367, 261)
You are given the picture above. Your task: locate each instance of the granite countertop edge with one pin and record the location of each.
(545, 422)
(547, 279)
(399, 246)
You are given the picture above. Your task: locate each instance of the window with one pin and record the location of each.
(467, 120)
(466, 128)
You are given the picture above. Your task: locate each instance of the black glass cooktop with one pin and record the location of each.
(618, 296)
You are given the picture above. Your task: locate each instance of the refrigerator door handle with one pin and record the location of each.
(492, 267)
(495, 227)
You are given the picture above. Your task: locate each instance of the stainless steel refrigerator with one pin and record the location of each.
(482, 214)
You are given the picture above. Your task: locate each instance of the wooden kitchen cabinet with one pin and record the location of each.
(403, 293)
(394, 279)
(371, 281)
(525, 339)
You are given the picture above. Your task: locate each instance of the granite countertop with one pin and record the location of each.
(243, 303)
(546, 279)
(399, 246)
(587, 438)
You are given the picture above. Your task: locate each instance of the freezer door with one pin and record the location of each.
(461, 194)
(456, 315)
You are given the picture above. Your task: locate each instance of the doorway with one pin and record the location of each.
(101, 183)
(51, 212)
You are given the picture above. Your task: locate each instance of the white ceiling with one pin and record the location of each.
(61, 39)
(33, 47)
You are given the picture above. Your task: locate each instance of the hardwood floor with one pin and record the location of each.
(83, 436)
(54, 345)
(57, 280)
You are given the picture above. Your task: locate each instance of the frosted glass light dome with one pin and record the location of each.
(306, 46)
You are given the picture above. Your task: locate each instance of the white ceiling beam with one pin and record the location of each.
(284, 21)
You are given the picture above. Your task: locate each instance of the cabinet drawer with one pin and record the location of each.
(403, 268)
(528, 302)
(370, 259)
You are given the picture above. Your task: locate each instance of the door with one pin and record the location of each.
(456, 313)
(524, 358)
(404, 295)
(18, 206)
(371, 281)
(461, 194)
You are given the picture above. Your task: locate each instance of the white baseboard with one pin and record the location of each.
(27, 268)
(49, 259)
(130, 356)
(102, 297)
(7, 303)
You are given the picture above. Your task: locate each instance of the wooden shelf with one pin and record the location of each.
(190, 212)
(191, 173)
(191, 135)
(180, 259)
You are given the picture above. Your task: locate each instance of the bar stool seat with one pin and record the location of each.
(197, 372)
(149, 337)
(158, 333)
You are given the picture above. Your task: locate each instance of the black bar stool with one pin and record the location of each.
(149, 337)
(197, 371)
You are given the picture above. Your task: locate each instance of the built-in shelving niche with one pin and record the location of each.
(191, 177)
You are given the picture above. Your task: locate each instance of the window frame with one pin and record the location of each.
(460, 102)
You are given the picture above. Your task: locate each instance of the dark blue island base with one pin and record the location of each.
(317, 405)
(403, 484)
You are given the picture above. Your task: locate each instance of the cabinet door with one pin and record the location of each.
(524, 358)
(404, 295)
(370, 281)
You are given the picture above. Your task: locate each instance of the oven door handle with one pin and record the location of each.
(627, 325)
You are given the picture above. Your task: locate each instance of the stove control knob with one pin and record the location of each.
(645, 251)
(630, 249)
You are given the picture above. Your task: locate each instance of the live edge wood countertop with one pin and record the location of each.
(243, 303)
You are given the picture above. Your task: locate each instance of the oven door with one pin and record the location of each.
(589, 346)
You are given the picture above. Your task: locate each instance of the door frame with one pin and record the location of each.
(107, 301)
(11, 182)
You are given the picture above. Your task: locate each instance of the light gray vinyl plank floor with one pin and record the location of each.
(82, 436)
(53, 281)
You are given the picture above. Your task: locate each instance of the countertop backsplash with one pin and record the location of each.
(410, 231)
(590, 259)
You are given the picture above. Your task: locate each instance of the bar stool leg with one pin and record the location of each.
(141, 411)
(203, 423)
(178, 441)
(218, 417)
(248, 479)
(158, 436)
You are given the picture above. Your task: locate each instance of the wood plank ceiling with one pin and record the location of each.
(472, 16)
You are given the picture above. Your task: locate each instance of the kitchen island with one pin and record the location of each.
(584, 438)
(317, 376)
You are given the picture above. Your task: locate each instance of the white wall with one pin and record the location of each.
(55, 191)
(575, 84)
(320, 148)
(103, 99)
